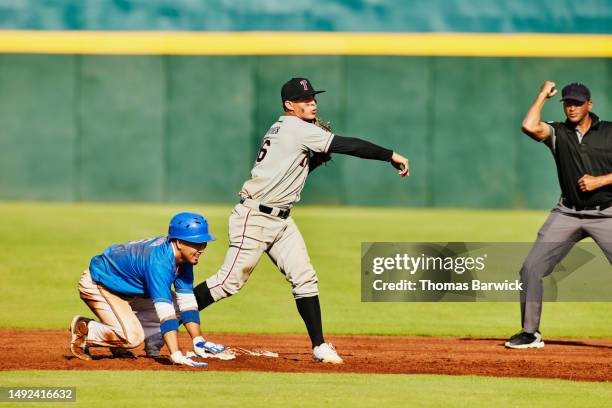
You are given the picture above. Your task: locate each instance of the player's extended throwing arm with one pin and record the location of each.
(361, 148)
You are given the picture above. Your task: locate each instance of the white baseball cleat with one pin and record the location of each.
(78, 341)
(326, 353)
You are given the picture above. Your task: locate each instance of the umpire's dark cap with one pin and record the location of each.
(576, 92)
(297, 88)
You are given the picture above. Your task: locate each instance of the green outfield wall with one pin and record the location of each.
(187, 128)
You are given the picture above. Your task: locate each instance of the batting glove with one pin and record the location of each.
(178, 358)
(201, 346)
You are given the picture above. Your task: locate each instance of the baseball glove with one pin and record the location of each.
(321, 158)
(323, 124)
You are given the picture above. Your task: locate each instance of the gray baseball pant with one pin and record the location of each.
(252, 233)
(563, 228)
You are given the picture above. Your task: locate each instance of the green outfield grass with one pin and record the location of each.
(44, 247)
(210, 389)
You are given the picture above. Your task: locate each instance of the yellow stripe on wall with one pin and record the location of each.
(305, 43)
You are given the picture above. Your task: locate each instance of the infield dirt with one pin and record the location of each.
(570, 359)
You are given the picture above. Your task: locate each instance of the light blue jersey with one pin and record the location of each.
(145, 268)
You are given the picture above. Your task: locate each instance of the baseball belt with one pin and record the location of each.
(274, 211)
(601, 207)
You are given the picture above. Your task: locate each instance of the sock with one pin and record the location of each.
(203, 296)
(310, 310)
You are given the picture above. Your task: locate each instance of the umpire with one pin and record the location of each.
(582, 148)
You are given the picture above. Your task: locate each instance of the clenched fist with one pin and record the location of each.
(589, 183)
(548, 89)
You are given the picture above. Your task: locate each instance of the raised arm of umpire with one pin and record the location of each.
(532, 124)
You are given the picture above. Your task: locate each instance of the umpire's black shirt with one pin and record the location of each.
(575, 158)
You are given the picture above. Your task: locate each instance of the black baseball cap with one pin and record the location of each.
(576, 92)
(297, 88)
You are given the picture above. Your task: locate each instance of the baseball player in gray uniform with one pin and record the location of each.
(582, 148)
(261, 222)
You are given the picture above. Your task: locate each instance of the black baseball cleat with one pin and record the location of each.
(524, 340)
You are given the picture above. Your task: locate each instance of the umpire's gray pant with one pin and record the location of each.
(563, 228)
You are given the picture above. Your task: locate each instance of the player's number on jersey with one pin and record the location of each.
(263, 151)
